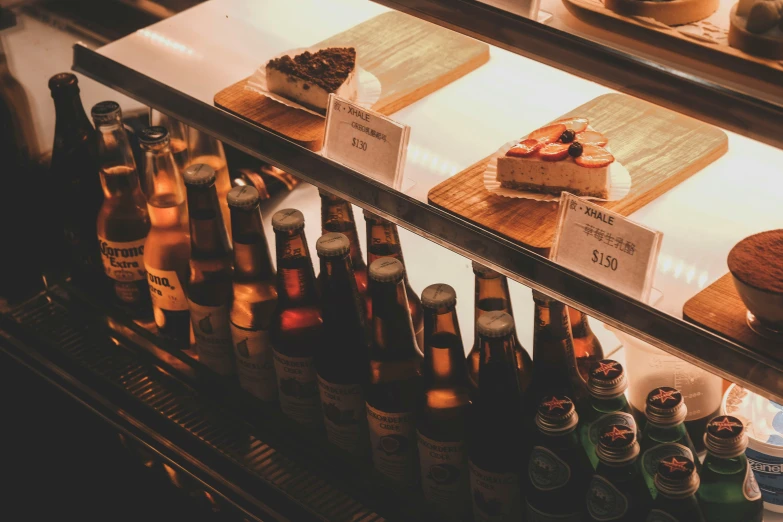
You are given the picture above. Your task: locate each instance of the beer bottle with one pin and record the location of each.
(383, 241)
(664, 433)
(123, 220)
(587, 348)
(203, 148)
(254, 296)
(75, 186)
(393, 387)
(167, 250)
(676, 482)
(607, 405)
(445, 399)
(617, 491)
(209, 284)
(495, 450)
(342, 361)
(491, 294)
(337, 216)
(297, 326)
(178, 137)
(555, 371)
(728, 490)
(558, 468)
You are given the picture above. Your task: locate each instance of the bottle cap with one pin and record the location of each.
(543, 298)
(484, 271)
(288, 219)
(726, 437)
(617, 445)
(607, 380)
(665, 406)
(332, 244)
(387, 270)
(556, 415)
(245, 196)
(153, 135)
(438, 296)
(62, 81)
(106, 111)
(199, 175)
(495, 324)
(676, 477)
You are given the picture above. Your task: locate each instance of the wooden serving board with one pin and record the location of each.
(705, 40)
(410, 57)
(720, 309)
(660, 148)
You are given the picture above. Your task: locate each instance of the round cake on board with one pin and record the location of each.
(672, 12)
(756, 27)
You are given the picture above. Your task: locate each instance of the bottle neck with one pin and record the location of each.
(295, 276)
(71, 122)
(208, 236)
(491, 294)
(498, 380)
(659, 433)
(392, 328)
(337, 216)
(579, 325)
(382, 241)
(444, 355)
(118, 167)
(251, 251)
(552, 340)
(602, 405)
(343, 310)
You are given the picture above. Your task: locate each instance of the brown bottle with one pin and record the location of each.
(587, 348)
(209, 284)
(167, 250)
(342, 360)
(203, 148)
(393, 387)
(297, 327)
(383, 241)
(492, 295)
(555, 371)
(337, 216)
(123, 221)
(254, 296)
(445, 402)
(75, 185)
(495, 448)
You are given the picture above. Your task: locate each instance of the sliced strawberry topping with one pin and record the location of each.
(554, 151)
(594, 157)
(575, 124)
(548, 134)
(591, 138)
(524, 148)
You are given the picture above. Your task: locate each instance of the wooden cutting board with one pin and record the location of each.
(660, 149)
(718, 308)
(410, 57)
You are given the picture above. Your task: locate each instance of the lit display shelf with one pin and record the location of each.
(178, 65)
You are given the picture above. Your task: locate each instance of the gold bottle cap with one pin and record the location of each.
(495, 324)
(387, 270)
(607, 380)
(288, 219)
(199, 174)
(438, 295)
(484, 271)
(105, 111)
(245, 196)
(665, 406)
(153, 135)
(332, 244)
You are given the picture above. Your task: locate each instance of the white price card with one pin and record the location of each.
(365, 141)
(605, 246)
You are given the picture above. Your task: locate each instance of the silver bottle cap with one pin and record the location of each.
(676, 477)
(617, 445)
(245, 196)
(726, 437)
(607, 380)
(665, 406)
(288, 219)
(106, 111)
(495, 324)
(332, 244)
(438, 295)
(556, 415)
(153, 135)
(387, 270)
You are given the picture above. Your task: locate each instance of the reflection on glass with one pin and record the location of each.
(178, 134)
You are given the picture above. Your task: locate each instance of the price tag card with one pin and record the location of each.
(365, 141)
(605, 246)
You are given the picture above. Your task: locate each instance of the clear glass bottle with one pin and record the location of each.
(178, 137)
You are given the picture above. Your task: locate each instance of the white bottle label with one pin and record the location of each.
(165, 289)
(444, 474)
(604, 501)
(750, 489)
(392, 437)
(213, 337)
(496, 496)
(123, 261)
(297, 387)
(344, 416)
(534, 515)
(255, 362)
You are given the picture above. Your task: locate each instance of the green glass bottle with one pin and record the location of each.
(617, 492)
(607, 405)
(664, 433)
(677, 482)
(558, 469)
(728, 491)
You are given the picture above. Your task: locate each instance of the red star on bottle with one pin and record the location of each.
(725, 424)
(675, 465)
(664, 395)
(617, 434)
(556, 403)
(605, 368)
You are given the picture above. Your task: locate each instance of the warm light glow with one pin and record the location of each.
(159, 39)
(425, 158)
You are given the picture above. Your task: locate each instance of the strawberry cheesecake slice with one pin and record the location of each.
(567, 155)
